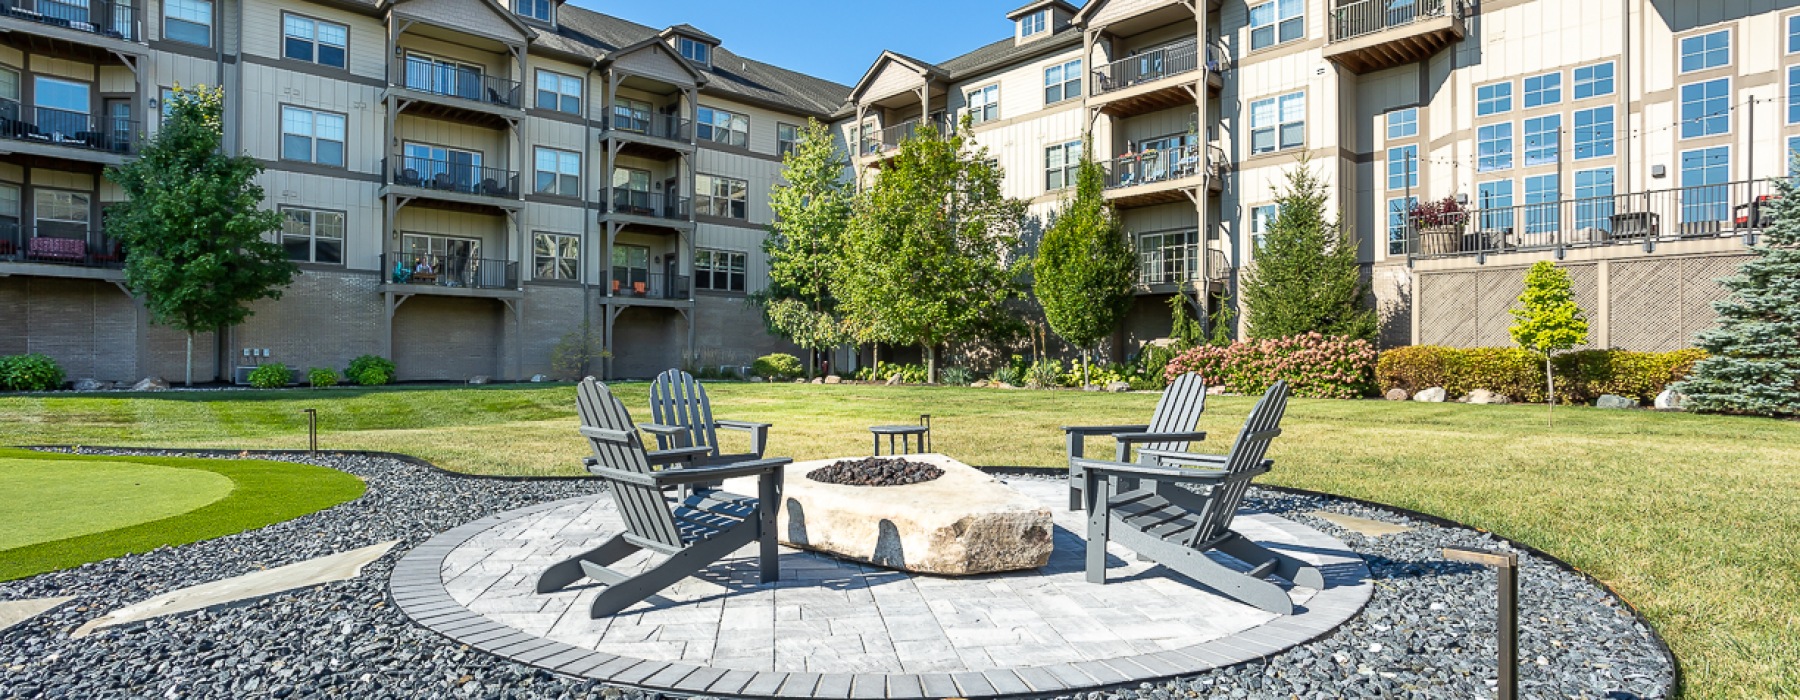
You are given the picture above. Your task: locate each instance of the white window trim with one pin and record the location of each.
(312, 233)
(1731, 46)
(580, 90)
(1511, 97)
(1305, 134)
(285, 14)
(969, 107)
(536, 171)
(1730, 107)
(1614, 79)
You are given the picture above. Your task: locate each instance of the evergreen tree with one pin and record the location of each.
(1547, 320)
(1305, 276)
(1085, 273)
(197, 244)
(805, 244)
(1754, 353)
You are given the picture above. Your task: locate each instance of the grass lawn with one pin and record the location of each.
(1694, 519)
(65, 510)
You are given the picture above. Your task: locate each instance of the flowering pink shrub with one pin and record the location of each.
(1314, 365)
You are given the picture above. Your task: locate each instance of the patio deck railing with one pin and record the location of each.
(1156, 64)
(53, 244)
(117, 19)
(457, 271)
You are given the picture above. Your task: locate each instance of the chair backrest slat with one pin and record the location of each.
(677, 399)
(646, 513)
(1261, 428)
(1178, 411)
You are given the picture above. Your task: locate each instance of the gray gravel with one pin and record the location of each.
(1427, 633)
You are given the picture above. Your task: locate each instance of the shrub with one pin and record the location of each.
(1582, 376)
(579, 353)
(1009, 375)
(271, 376)
(909, 374)
(1151, 364)
(778, 366)
(1098, 375)
(320, 377)
(1044, 374)
(956, 376)
(371, 370)
(33, 372)
(1313, 365)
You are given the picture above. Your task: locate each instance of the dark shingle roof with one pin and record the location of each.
(1007, 51)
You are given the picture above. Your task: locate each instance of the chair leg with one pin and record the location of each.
(1196, 565)
(768, 504)
(1286, 567)
(680, 565)
(1098, 527)
(568, 571)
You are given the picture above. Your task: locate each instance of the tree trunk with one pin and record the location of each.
(189, 378)
(812, 358)
(875, 362)
(1550, 388)
(1084, 368)
(930, 364)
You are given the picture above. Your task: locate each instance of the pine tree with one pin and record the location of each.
(1754, 353)
(805, 244)
(1305, 276)
(1547, 320)
(1084, 273)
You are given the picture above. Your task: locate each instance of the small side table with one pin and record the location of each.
(906, 434)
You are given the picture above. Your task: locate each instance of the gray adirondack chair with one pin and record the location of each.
(1170, 430)
(693, 531)
(1176, 527)
(678, 401)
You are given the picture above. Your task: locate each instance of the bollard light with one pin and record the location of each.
(1507, 565)
(312, 430)
(925, 420)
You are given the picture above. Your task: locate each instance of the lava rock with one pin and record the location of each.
(875, 471)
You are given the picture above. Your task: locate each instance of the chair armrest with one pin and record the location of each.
(699, 474)
(616, 437)
(1184, 457)
(1102, 468)
(741, 425)
(677, 454)
(1102, 429)
(759, 433)
(659, 429)
(1135, 438)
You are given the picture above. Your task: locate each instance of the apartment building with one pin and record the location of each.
(1630, 140)
(464, 182)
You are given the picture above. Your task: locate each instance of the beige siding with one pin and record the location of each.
(263, 34)
(655, 62)
(1120, 9)
(472, 16)
(893, 79)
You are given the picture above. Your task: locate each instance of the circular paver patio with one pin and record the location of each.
(832, 628)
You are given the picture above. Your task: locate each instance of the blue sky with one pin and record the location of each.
(832, 39)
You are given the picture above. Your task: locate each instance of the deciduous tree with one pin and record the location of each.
(1547, 320)
(812, 207)
(1084, 272)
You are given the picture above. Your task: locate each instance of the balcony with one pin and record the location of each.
(646, 208)
(433, 89)
(60, 133)
(1372, 35)
(649, 135)
(449, 182)
(1155, 80)
(102, 23)
(1159, 177)
(641, 286)
(449, 275)
(886, 142)
(1164, 269)
(59, 250)
(1709, 213)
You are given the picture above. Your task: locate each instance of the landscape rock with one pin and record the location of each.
(756, 380)
(1615, 401)
(1215, 390)
(1671, 400)
(834, 379)
(479, 379)
(1397, 394)
(1092, 387)
(91, 384)
(1118, 387)
(818, 380)
(1483, 396)
(894, 380)
(1003, 385)
(1434, 394)
(539, 378)
(151, 384)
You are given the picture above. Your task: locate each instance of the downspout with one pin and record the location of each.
(1625, 67)
(589, 215)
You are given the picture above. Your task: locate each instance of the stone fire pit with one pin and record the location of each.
(964, 522)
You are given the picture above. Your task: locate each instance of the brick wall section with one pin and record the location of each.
(730, 332)
(551, 312)
(324, 319)
(646, 341)
(449, 338)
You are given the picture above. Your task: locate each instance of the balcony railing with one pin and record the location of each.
(1366, 17)
(888, 140)
(1641, 218)
(643, 284)
(651, 204)
(456, 271)
(65, 128)
(117, 19)
(436, 78)
(1159, 166)
(59, 244)
(1179, 265)
(451, 176)
(1155, 65)
(656, 126)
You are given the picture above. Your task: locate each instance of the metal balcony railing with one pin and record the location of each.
(451, 176)
(1157, 166)
(640, 283)
(656, 126)
(436, 78)
(652, 204)
(1365, 17)
(76, 245)
(1180, 265)
(66, 128)
(1640, 218)
(888, 140)
(117, 19)
(459, 271)
(1156, 64)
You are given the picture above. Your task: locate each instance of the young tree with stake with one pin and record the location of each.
(1547, 320)
(1084, 272)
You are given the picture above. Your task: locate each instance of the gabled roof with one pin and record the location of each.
(1041, 4)
(656, 43)
(525, 31)
(1087, 12)
(691, 32)
(930, 71)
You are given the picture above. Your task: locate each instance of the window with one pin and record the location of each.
(1593, 199)
(1403, 123)
(1704, 173)
(1793, 33)
(1706, 51)
(1062, 82)
(313, 235)
(1793, 151)
(1493, 147)
(1399, 210)
(62, 214)
(63, 106)
(1278, 123)
(1261, 218)
(984, 104)
(1403, 168)
(1543, 139)
(1541, 196)
(1032, 23)
(1543, 90)
(1593, 81)
(1493, 99)
(558, 172)
(314, 41)
(1277, 22)
(533, 9)
(9, 84)
(695, 51)
(311, 136)
(631, 115)
(165, 103)
(630, 269)
(1706, 108)
(1495, 201)
(558, 92)
(12, 205)
(556, 256)
(1793, 94)
(188, 21)
(1167, 257)
(1061, 163)
(722, 197)
(441, 168)
(720, 126)
(1594, 133)
(442, 76)
(787, 138)
(719, 270)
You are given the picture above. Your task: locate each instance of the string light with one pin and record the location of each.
(1472, 159)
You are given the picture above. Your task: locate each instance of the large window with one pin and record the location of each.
(1167, 257)
(1543, 90)
(1594, 132)
(1399, 210)
(984, 104)
(632, 115)
(719, 270)
(720, 126)
(1403, 123)
(313, 235)
(1277, 22)
(533, 9)
(1062, 82)
(1032, 24)
(722, 197)
(1593, 81)
(1061, 163)
(63, 106)
(1706, 108)
(441, 168)
(314, 41)
(1541, 197)
(311, 136)
(696, 51)
(1494, 147)
(1706, 51)
(61, 213)
(1543, 136)
(1261, 218)
(556, 256)
(1704, 173)
(1278, 123)
(1495, 200)
(1493, 99)
(1793, 33)
(188, 21)
(558, 172)
(1793, 94)
(558, 92)
(443, 76)
(1593, 199)
(1402, 168)
(787, 138)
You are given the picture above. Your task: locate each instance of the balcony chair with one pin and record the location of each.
(409, 177)
(491, 187)
(443, 181)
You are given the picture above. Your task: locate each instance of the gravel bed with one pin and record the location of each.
(1427, 633)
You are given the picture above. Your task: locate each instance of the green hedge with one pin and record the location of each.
(1581, 376)
(33, 372)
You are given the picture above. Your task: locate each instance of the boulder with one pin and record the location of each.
(151, 384)
(1003, 385)
(1483, 396)
(756, 380)
(1397, 394)
(964, 522)
(479, 379)
(1434, 394)
(539, 378)
(834, 379)
(91, 384)
(1215, 390)
(1615, 401)
(1118, 387)
(818, 380)
(1093, 387)
(894, 380)
(1671, 400)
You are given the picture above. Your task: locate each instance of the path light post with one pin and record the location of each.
(312, 429)
(1507, 565)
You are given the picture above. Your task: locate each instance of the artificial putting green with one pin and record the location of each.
(66, 510)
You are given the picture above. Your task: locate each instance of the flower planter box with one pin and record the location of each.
(1440, 240)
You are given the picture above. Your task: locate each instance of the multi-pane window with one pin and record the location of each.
(719, 270)
(720, 126)
(1543, 136)
(723, 197)
(1403, 123)
(1793, 94)
(1793, 33)
(1495, 199)
(1261, 218)
(558, 172)
(1494, 147)
(1402, 168)
(314, 41)
(313, 235)
(61, 213)
(1278, 123)
(1706, 108)
(1493, 99)
(1594, 80)
(1793, 151)
(1704, 173)
(1541, 195)
(188, 21)
(1543, 90)
(1032, 24)
(556, 256)
(1062, 82)
(696, 51)
(632, 115)
(534, 9)
(1593, 199)
(1277, 22)
(1398, 211)
(1061, 163)
(558, 92)
(787, 138)
(1594, 132)
(1706, 51)
(1167, 257)
(311, 136)
(984, 104)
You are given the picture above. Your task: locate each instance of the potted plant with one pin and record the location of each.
(1438, 225)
